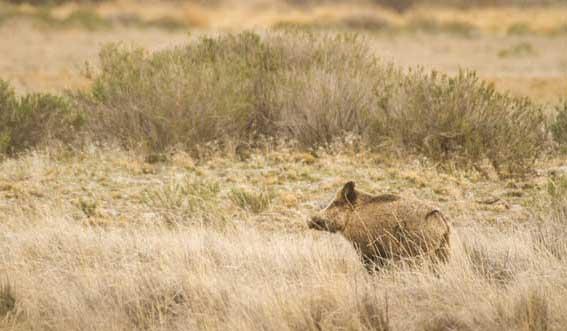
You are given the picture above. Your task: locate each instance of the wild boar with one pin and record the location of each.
(386, 227)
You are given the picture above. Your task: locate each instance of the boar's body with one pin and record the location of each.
(397, 229)
(386, 226)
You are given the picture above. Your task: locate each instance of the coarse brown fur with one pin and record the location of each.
(386, 227)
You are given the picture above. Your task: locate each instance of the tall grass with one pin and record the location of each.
(309, 87)
(67, 276)
(186, 201)
(265, 270)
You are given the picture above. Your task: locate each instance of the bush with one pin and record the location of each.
(184, 96)
(461, 118)
(313, 88)
(236, 86)
(32, 119)
(559, 126)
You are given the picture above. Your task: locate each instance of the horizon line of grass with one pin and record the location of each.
(89, 19)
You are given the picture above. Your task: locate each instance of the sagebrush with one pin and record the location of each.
(559, 126)
(309, 87)
(30, 120)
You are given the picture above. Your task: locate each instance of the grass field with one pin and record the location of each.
(102, 239)
(113, 219)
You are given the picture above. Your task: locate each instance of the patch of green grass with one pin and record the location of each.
(88, 207)
(84, 18)
(521, 49)
(255, 202)
(367, 23)
(522, 28)
(87, 19)
(183, 201)
(429, 25)
(167, 23)
(557, 188)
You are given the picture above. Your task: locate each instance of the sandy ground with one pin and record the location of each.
(53, 60)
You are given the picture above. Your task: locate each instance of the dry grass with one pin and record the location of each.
(545, 89)
(229, 14)
(102, 238)
(124, 266)
(540, 75)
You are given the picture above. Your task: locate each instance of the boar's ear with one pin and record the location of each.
(347, 194)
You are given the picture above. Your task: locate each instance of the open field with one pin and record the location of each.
(102, 239)
(539, 72)
(164, 183)
(514, 48)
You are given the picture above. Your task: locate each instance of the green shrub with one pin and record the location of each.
(236, 86)
(559, 126)
(311, 87)
(460, 118)
(30, 120)
(332, 91)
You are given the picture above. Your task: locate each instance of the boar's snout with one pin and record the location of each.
(318, 223)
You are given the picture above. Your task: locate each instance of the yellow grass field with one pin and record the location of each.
(104, 240)
(99, 237)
